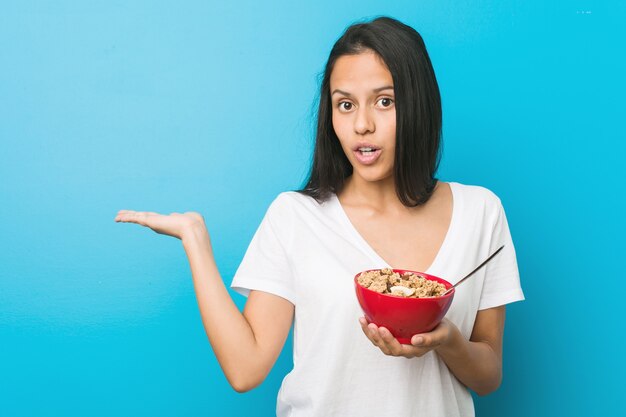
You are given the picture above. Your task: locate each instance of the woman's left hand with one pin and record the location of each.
(420, 345)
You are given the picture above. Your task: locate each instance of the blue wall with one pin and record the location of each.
(155, 106)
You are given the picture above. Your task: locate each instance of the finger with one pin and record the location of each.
(138, 217)
(363, 322)
(425, 341)
(123, 215)
(372, 330)
(365, 329)
(143, 218)
(395, 347)
(377, 339)
(433, 338)
(120, 212)
(409, 351)
(439, 334)
(417, 340)
(133, 212)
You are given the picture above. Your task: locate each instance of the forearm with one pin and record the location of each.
(229, 333)
(475, 364)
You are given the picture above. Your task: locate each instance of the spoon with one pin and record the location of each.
(472, 273)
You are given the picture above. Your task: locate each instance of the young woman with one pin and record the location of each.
(371, 201)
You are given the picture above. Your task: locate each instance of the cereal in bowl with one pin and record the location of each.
(409, 284)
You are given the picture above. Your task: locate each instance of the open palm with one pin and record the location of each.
(174, 224)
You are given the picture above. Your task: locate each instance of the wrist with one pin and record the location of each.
(195, 234)
(454, 343)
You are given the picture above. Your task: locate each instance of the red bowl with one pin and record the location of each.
(404, 317)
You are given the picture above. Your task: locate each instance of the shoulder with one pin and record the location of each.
(289, 213)
(475, 194)
(291, 198)
(289, 203)
(477, 201)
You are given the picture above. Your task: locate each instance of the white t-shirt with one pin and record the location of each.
(309, 253)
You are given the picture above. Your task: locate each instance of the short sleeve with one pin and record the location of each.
(265, 265)
(502, 280)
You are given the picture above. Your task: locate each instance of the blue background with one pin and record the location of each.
(208, 106)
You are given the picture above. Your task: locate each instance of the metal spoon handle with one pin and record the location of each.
(472, 273)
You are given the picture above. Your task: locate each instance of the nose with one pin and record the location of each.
(364, 122)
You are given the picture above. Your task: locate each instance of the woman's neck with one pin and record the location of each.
(379, 196)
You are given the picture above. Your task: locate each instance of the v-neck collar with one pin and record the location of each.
(368, 248)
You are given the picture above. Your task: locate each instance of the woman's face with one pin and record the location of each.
(364, 114)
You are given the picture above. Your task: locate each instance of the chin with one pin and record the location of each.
(373, 175)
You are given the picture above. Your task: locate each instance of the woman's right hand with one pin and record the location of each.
(176, 224)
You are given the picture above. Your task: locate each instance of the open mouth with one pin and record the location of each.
(367, 151)
(367, 154)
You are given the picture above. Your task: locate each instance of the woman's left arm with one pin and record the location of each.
(477, 362)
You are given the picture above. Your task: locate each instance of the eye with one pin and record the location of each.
(386, 101)
(345, 105)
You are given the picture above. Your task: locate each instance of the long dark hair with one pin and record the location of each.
(418, 113)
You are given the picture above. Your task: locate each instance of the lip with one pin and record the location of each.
(365, 145)
(369, 159)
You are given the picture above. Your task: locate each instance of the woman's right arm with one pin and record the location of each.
(246, 345)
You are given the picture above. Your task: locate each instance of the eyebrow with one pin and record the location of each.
(376, 90)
